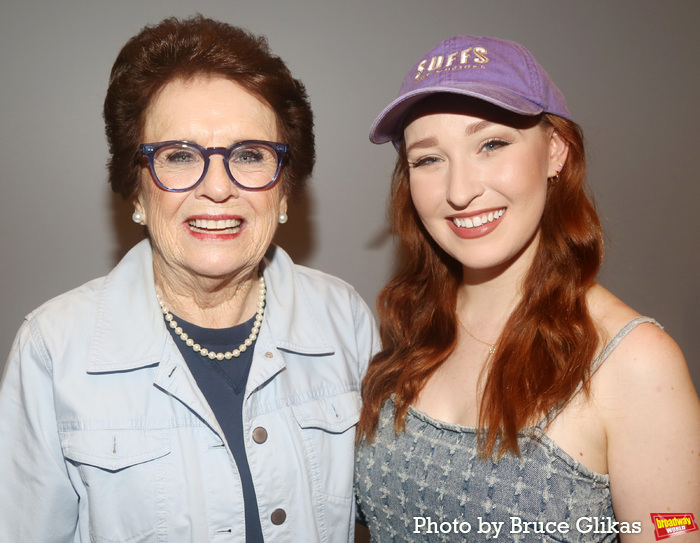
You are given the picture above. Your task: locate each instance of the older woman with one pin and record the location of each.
(207, 388)
(514, 396)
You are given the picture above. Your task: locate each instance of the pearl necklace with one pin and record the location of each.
(197, 348)
(492, 348)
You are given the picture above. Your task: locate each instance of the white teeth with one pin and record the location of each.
(479, 220)
(223, 226)
(215, 225)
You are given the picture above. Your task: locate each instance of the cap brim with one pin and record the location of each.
(387, 125)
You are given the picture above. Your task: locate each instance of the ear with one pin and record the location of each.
(558, 152)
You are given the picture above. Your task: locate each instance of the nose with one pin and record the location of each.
(216, 185)
(463, 184)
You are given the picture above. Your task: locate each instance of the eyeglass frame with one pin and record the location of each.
(149, 150)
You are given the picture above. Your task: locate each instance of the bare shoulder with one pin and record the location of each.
(646, 370)
(646, 354)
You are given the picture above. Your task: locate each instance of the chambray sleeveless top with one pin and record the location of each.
(428, 483)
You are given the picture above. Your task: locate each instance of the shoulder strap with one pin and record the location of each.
(614, 342)
(598, 362)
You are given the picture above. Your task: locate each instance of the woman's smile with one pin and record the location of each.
(212, 227)
(476, 224)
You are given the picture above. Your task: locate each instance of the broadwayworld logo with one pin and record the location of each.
(668, 524)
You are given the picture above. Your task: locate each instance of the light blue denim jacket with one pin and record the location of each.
(105, 437)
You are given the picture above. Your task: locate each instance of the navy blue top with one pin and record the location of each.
(223, 385)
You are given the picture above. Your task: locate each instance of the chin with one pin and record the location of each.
(215, 267)
(484, 260)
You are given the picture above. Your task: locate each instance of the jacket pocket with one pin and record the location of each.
(333, 414)
(327, 427)
(124, 479)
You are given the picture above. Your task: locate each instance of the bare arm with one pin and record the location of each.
(651, 414)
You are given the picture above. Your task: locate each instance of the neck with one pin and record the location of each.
(208, 302)
(487, 297)
(485, 308)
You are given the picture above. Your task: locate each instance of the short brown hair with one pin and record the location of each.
(185, 48)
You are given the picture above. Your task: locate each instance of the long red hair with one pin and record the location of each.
(549, 342)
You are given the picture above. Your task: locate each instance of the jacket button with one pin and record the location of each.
(278, 517)
(268, 354)
(260, 435)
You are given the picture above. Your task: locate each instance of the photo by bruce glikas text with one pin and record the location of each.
(516, 525)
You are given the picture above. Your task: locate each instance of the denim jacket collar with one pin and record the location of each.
(128, 308)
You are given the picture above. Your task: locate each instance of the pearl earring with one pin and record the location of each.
(137, 217)
(283, 218)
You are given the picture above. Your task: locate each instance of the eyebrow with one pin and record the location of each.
(431, 141)
(477, 127)
(422, 144)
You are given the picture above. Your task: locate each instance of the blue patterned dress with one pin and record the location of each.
(428, 484)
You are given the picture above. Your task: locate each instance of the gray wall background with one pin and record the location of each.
(629, 70)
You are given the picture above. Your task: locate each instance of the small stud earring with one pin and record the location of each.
(137, 217)
(283, 218)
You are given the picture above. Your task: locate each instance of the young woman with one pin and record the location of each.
(514, 396)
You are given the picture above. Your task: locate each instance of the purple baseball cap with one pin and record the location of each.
(498, 71)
